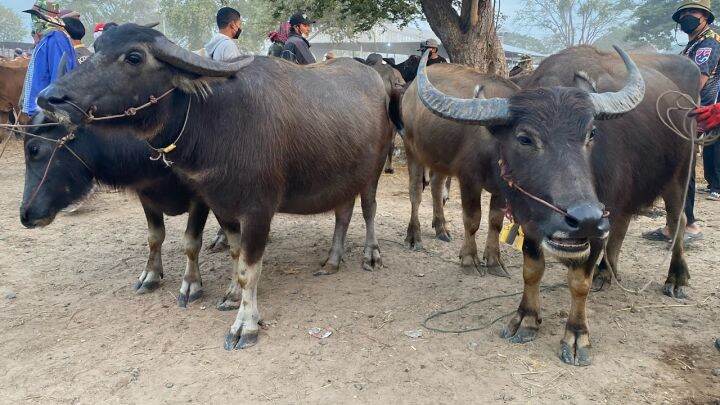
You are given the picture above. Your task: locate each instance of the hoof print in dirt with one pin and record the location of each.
(227, 305)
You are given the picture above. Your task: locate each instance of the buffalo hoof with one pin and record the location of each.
(144, 287)
(219, 244)
(371, 258)
(675, 291)
(413, 242)
(498, 270)
(186, 298)
(522, 335)
(574, 356)
(227, 304)
(441, 232)
(327, 269)
(470, 265)
(240, 340)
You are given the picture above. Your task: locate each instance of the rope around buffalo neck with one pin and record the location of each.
(162, 152)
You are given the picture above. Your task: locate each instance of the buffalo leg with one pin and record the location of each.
(524, 325)
(343, 215)
(413, 240)
(575, 344)
(437, 186)
(231, 300)
(678, 274)
(371, 252)
(618, 230)
(472, 214)
(388, 162)
(247, 251)
(491, 256)
(149, 279)
(191, 287)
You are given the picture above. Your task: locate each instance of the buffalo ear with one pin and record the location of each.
(584, 82)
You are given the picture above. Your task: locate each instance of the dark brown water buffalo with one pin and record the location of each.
(254, 137)
(394, 86)
(455, 149)
(120, 161)
(561, 163)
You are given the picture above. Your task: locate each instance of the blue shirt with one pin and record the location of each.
(43, 67)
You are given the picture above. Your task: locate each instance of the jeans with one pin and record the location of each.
(711, 165)
(690, 199)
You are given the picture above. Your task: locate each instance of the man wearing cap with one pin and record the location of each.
(297, 47)
(222, 46)
(433, 46)
(76, 31)
(694, 18)
(54, 42)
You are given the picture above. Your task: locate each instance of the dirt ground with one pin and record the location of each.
(75, 332)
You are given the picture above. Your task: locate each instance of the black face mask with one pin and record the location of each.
(237, 34)
(689, 24)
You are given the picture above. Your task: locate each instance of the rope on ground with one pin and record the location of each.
(436, 314)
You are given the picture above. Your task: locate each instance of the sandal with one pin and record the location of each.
(713, 196)
(656, 235)
(692, 237)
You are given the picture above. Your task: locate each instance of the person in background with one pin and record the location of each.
(694, 18)
(433, 46)
(525, 66)
(222, 47)
(98, 30)
(297, 47)
(54, 42)
(278, 39)
(76, 30)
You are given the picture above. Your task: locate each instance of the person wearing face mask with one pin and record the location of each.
(694, 18)
(297, 47)
(222, 46)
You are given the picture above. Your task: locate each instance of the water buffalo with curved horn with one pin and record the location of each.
(253, 137)
(573, 172)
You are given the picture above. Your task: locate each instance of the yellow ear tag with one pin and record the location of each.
(512, 234)
(169, 148)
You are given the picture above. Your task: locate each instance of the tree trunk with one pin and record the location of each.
(470, 37)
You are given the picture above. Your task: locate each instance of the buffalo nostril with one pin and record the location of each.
(56, 100)
(586, 219)
(572, 222)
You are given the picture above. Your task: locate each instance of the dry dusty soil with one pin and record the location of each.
(73, 331)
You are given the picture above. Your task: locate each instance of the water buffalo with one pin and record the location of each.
(394, 86)
(254, 136)
(455, 149)
(570, 174)
(117, 160)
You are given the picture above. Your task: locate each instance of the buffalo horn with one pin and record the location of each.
(183, 59)
(476, 111)
(612, 104)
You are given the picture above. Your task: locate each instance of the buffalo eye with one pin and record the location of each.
(525, 140)
(591, 135)
(33, 151)
(134, 58)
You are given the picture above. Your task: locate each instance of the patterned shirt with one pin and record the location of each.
(705, 52)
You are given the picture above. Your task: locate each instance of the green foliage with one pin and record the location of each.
(349, 17)
(11, 28)
(191, 23)
(654, 24)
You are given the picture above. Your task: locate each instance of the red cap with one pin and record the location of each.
(99, 27)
